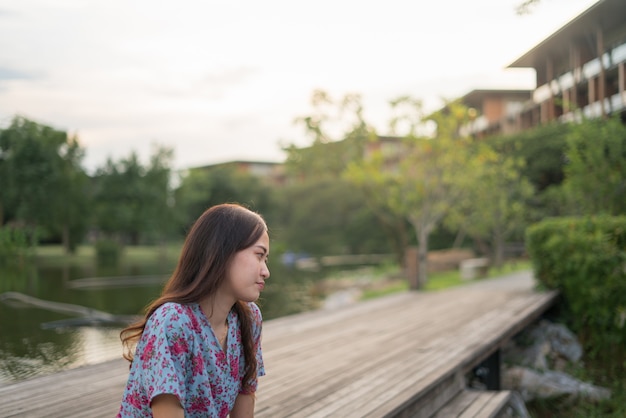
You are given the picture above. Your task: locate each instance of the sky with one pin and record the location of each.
(224, 80)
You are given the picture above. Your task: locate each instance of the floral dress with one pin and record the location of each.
(179, 354)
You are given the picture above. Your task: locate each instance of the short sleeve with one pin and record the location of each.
(257, 326)
(164, 352)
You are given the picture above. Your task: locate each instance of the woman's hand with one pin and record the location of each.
(244, 406)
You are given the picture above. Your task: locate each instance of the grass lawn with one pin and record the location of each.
(53, 255)
(441, 280)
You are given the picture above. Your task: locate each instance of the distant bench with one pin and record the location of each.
(473, 268)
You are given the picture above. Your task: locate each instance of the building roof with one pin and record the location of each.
(237, 162)
(610, 15)
(475, 97)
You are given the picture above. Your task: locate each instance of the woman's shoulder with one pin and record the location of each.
(255, 312)
(173, 312)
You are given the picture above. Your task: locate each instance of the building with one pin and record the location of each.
(579, 68)
(494, 111)
(270, 172)
(580, 73)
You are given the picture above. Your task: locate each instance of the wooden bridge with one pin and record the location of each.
(404, 355)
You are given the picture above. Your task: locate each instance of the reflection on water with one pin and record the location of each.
(67, 348)
(29, 346)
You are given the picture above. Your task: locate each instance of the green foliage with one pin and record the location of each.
(15, 246)
(321, 210)
(493, 208)
(375, 182)
(133, 201)
(43, 184)
(566, 407)
(576, 168)
(595, 175)
(417, 178)
(339, 134)
(327, 217)
(585, 258)
(542, 150)
(203, 187)
(108, 252)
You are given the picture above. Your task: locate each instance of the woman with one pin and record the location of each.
(198, 348)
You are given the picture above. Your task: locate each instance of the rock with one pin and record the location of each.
(518, 406)
(532, 384)
(562, 340)
(536, 362)
(548, 346)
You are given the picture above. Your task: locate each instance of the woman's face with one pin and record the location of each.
(248, 271)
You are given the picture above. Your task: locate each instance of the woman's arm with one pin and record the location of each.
(244, 406)
(167, 406)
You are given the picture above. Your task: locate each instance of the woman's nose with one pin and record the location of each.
(265, 272)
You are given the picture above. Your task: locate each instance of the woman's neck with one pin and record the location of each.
(216, 309)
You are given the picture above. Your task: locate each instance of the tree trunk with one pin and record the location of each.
(65, 238)
(422, 266)
(458, 240)
(498, 250)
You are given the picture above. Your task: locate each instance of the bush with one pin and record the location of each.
(108, 252)
(15, 246)
(585, 258)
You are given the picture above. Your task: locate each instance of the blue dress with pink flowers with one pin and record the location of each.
(179, 354)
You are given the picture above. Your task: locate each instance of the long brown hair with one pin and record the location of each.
(215, 237)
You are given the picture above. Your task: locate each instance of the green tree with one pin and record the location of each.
(339, 137)
(494, 205)
(133, 201)
(158, 208)
(328, 216)
(203, 187)
(43, 183)
(373, 178)
(542, 151)
(338, 132)
(423, 181)
(595, 173)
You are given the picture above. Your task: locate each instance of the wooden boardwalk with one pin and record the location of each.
(400, 355)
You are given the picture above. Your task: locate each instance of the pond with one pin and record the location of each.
(37, 340)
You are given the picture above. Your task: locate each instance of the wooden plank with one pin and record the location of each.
(379, 357)
(342, 391)
(366, 354)
(486, 405)
(458, 404)
(63, 393)
(401, 355)
(474, 335)
(494, 406)
(475, 404)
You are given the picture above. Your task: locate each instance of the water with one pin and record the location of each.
(35, 341)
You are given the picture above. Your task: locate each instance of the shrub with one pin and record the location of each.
(585, 258)
(15, 246)
(108, 252)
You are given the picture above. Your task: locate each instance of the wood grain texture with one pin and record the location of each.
(400, 355)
